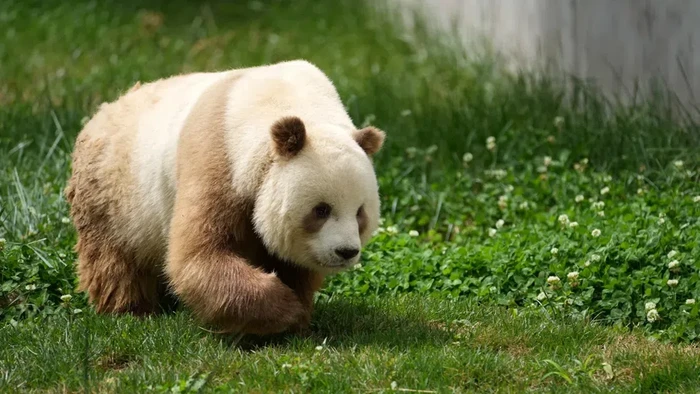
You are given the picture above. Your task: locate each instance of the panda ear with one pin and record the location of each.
(370, 139)
(288, 136)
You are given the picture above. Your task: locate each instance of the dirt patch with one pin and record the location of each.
(647, 349)
(476, 335)
(115, 361)
(511, 345)
(630, 355)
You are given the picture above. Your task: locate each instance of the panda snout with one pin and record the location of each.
(347, 253)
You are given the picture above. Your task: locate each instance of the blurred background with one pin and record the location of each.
(445, 73)
(625, 46)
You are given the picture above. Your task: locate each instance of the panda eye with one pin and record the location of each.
(322, 210)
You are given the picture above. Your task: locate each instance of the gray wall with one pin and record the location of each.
(615, 42)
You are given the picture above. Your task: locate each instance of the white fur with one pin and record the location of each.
(155, 153)
(331, 168)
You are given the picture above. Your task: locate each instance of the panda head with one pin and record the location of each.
(318, 203)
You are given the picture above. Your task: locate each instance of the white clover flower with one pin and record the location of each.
(672, 254)
(563, 219)
(587, 263)
(66, 297)
(554, 251)
(468, 157)
(662, 220)
(497, 173)
(595, 257)
(503, 202)
(649, 306)
(572, 276)
(573, 224)
(491, 143)
(392, 230)
(605, 190)
(678, 163)
(672, 282)
(696, 199)
(547, 161)
(595, 233)
(542, 296)
(500, 223)
(492, 232)
(673, 264)
(653, 315)
(319, 347)
(509, 188)
(65, 220)
(690, 301)
(601, 213)
(553, 280)
(30, 287)
(640, 191)
(413, 233)
(607, 178)
(559, 122)
(579, 198)
(598, 205)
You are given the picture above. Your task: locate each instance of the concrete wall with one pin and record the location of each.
(615, 42)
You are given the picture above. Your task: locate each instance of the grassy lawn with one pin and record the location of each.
(530, 240)
(356, 346)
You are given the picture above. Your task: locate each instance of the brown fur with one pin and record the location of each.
(362, 220)
(116, 279)
(370, 139)
(313, 224)
(215, 264)
(213, 243)
(289, 135)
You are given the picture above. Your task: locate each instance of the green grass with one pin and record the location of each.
(355, 346)
(629, 172)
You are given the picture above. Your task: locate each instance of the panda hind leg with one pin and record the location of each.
(117, 283)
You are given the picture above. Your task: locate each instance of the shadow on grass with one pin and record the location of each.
(348, 323)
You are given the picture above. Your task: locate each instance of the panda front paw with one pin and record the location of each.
(278, 309)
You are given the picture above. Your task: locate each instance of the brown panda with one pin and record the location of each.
(238, 191)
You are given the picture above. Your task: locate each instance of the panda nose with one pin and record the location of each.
(347, 253)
